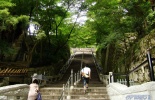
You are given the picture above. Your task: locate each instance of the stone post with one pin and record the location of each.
(72, 79)
(111, 78)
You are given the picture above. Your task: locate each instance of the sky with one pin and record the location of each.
(82, 18)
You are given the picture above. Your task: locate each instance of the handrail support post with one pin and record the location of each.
(111, 77)
(72, 79)
(150, 66)
(127, 79)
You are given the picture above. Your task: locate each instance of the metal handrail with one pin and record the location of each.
(64, 88)
(69, 83)
(65, 67)
(63, 70)
(149, 60)
(136, 68)
(98, 68)
(131, 71)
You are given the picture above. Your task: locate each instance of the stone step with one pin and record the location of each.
(88, 99)
(92, 85)
(73, 91)
(87, 96)
(80, 99)
(92, 90)
(96, 93)
(77, 97)
(80, 84)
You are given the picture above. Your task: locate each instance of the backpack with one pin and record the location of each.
(39, 96)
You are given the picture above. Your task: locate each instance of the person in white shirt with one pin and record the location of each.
(86, 75)
(33, 90)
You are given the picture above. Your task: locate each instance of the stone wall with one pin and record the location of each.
(146, 44)
(14, 92)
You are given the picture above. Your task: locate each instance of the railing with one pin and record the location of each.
(124, 81)
(55, 78)
(66, 87)
(83, 50)
(110, 78)
(106, 79)
(103, 78)
(51, 79)
(14, 92)
(70, 85)
(150, 65)
(120, 79)
(6, 72)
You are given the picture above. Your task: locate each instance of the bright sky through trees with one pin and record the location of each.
(81, 19)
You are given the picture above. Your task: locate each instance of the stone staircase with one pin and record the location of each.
(93, 93)
(96, 90)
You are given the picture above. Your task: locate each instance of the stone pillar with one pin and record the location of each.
(111, 78)
(72, 79)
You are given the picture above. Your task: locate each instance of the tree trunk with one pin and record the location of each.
(106, 59)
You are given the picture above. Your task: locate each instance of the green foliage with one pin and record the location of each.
(3, 16)
(46, 54)
(8, 25)
(112, 20)
(4, 13)
(111, 38)
(9, 20)
(6, 49)
(82, 37)
(40, 35)
(6, 4)
(12, 21)
(24, 20)
(137, 11)
(151, 21)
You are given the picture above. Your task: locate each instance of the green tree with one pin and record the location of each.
(53, 29)
(114, 23)
(8, 28)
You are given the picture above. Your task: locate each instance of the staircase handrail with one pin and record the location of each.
(149, 60)
(66, 86)
(63, 70)
(103, 78)
(131, 71)
(65, 67)
(69, 84)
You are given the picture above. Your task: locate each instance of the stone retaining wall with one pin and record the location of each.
(14, 92)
